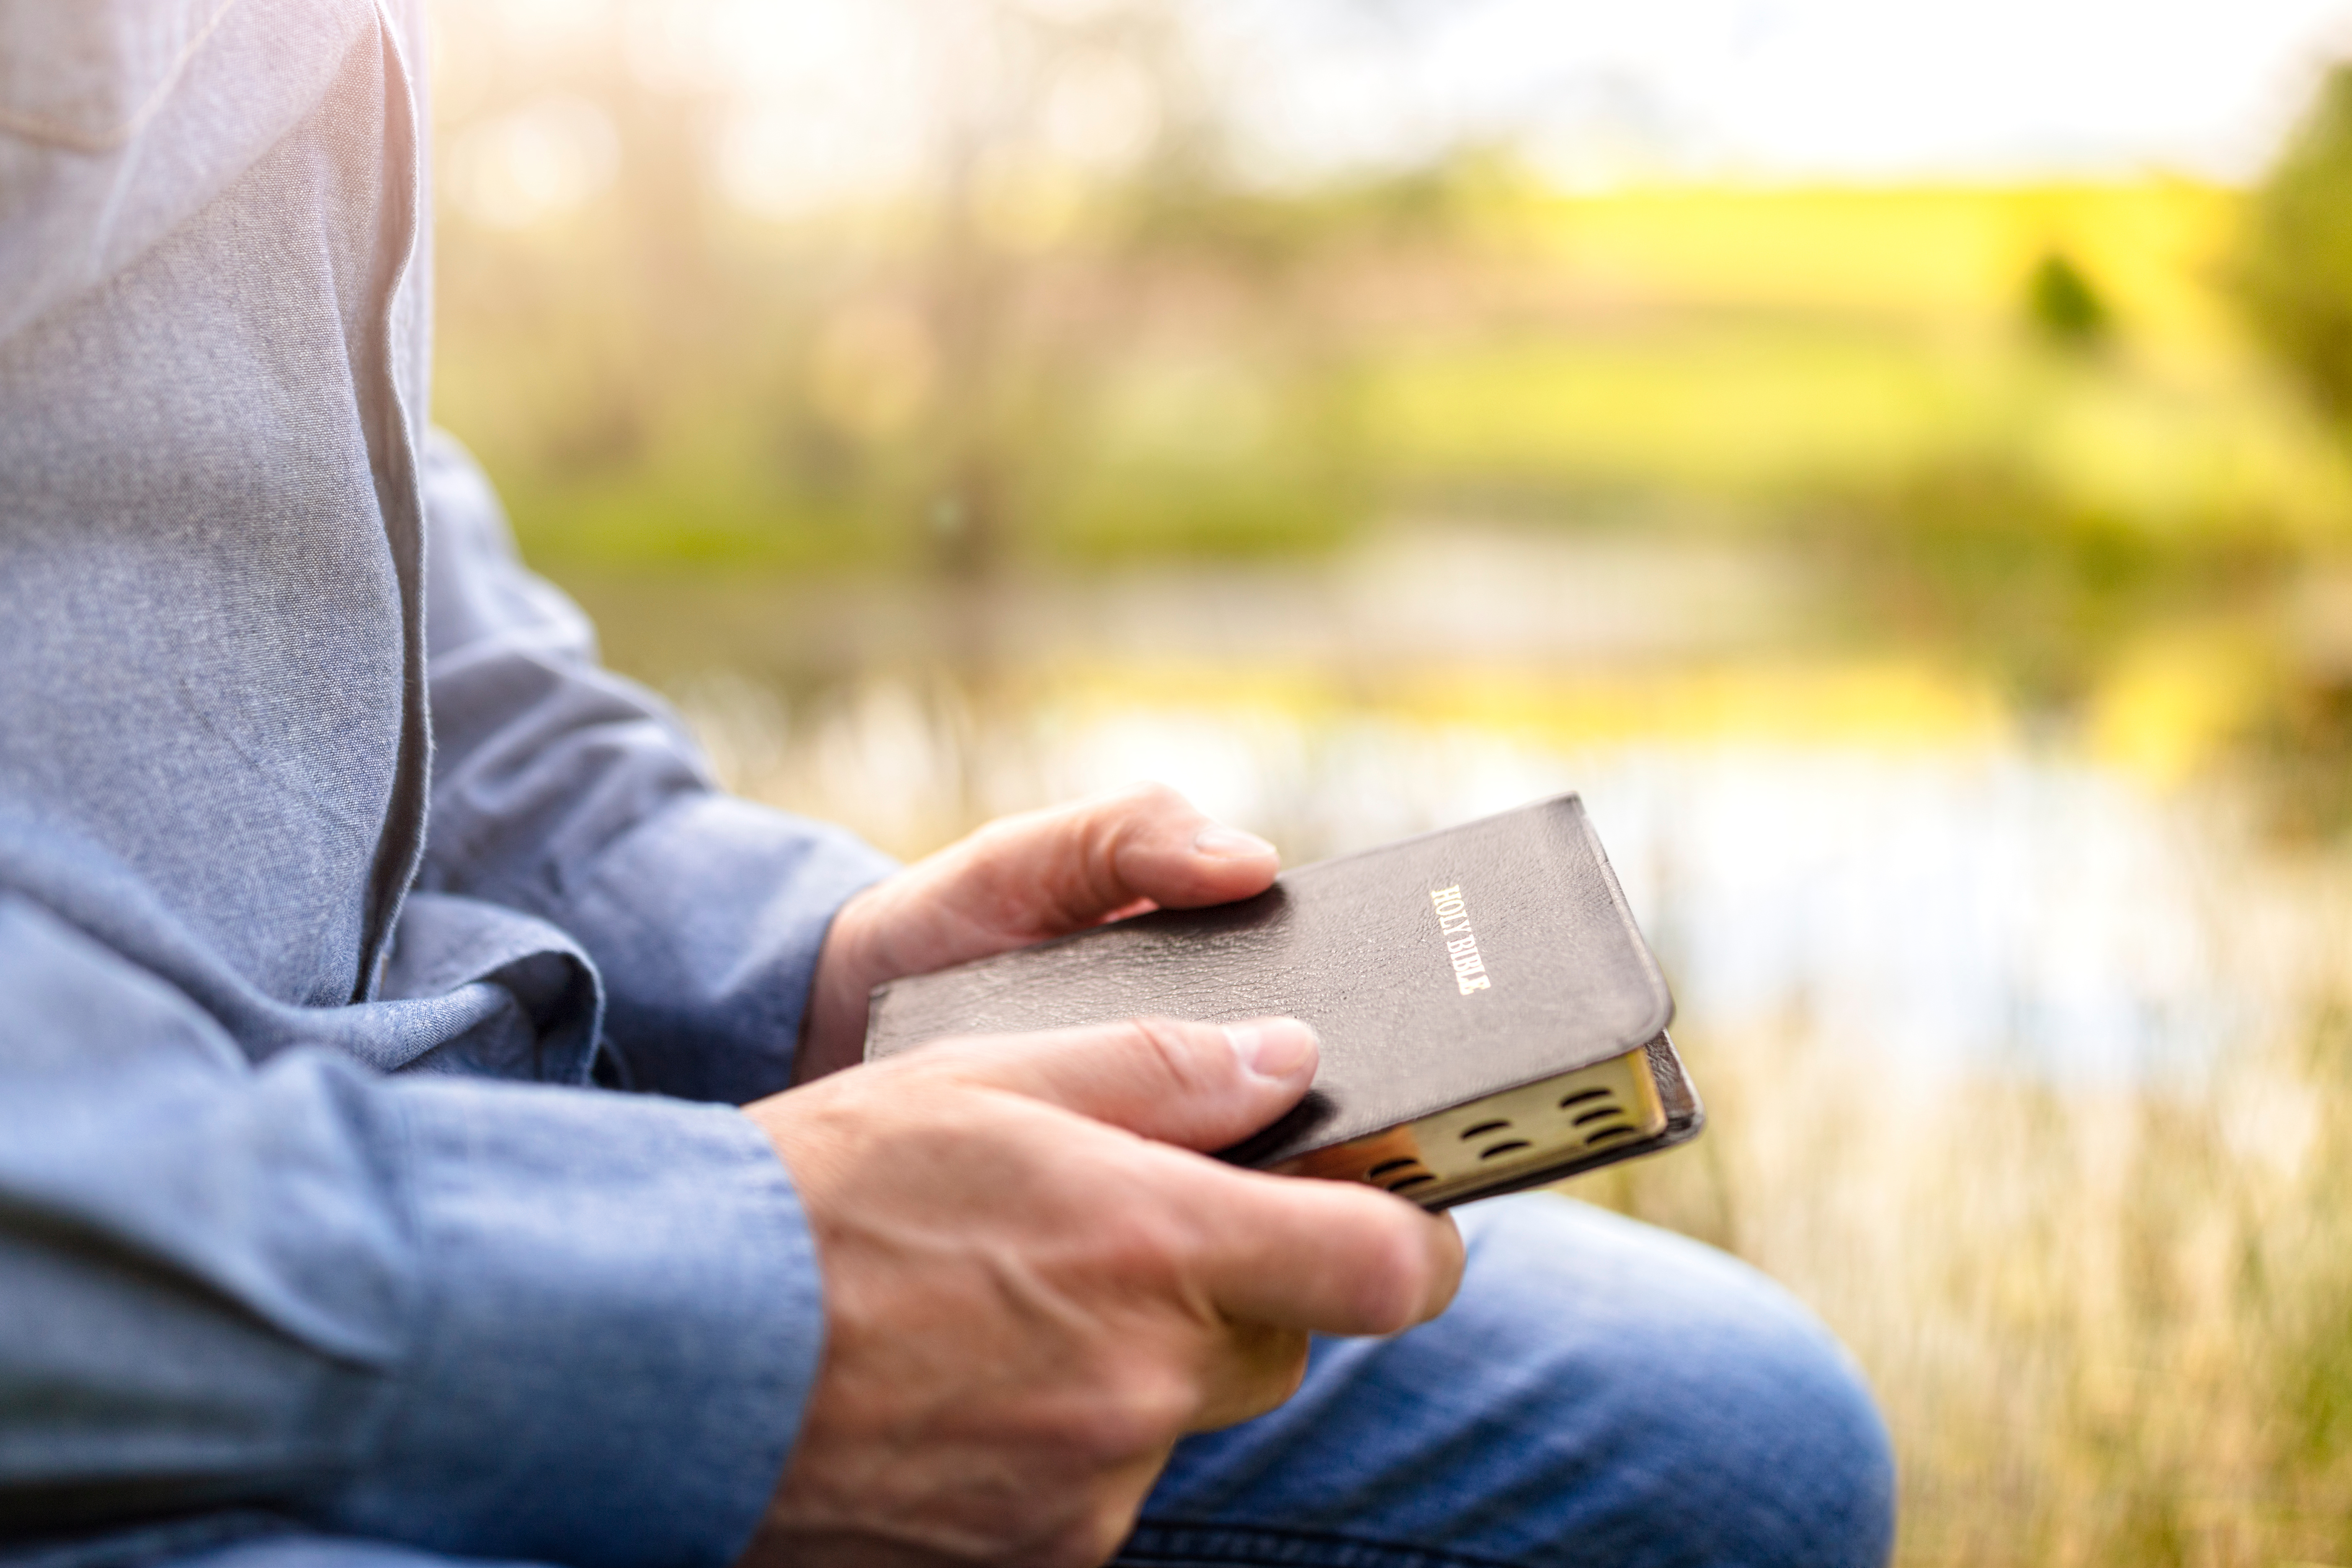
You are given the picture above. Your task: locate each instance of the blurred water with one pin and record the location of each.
(1932, 909)
(1948, 911)
(1883, 865)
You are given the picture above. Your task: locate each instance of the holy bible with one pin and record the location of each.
(1491, 1018)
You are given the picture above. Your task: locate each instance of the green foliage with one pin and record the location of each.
(2297, 274)
(2063, 306)
(1983, 556)
(2304, 741)
(1199, 212)
(1196, 370)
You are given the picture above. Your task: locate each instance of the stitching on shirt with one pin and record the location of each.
(1205, 1544)
(39, 127)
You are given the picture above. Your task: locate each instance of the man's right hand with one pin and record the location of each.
(1033, 1287)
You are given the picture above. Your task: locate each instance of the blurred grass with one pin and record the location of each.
(2108, 1328)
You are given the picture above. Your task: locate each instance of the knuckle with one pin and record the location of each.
(1002, 835)
(1175, 1051)
(1397, 1275)
(1141, 1413)
(1150, 797)
(1151, 1250)
(1138, 814)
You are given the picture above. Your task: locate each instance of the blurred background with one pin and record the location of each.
(1894, 459)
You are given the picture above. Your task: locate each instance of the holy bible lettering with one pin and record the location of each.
(1460, 942)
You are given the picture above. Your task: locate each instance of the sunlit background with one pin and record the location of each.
(1896, 458)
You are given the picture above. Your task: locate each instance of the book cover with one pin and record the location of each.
(1491, 1018)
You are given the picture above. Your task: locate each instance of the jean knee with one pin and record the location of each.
(1766, 1441)
(1600, 1391)
(1804, 1471)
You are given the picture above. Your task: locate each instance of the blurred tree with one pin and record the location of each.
(2063, 306)
(2296, 273)
(2295, 278)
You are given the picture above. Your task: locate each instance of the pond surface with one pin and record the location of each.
(1814, 836)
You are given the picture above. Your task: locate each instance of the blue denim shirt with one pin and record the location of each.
(328, 862)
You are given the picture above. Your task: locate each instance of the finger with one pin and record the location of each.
(1069, 867)
(1327, 1256)
(1199, 1086)
(1260, 1367)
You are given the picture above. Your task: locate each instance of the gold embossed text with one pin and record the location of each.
(1460, 942)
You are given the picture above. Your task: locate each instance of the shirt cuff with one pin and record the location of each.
(707, 920)
(620, 1321)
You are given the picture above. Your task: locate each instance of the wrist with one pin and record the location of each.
(833, 1027)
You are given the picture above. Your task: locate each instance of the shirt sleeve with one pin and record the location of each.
(564, 791)
(486, 1319)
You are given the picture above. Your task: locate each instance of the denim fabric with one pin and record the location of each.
(307, 1209)
(1601, 1393)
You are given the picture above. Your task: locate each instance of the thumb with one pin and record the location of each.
(1199, 1086)
(1065, 868)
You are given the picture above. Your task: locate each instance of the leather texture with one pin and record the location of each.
(1366, 948)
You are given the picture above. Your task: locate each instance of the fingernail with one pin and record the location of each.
(1273, 1047)
(1219, 842)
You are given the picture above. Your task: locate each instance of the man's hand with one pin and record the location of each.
(1033, 1288)
(1018, 880)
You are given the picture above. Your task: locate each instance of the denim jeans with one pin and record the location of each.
(1601, 1394)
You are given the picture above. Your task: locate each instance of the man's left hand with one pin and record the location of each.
(1018, 880)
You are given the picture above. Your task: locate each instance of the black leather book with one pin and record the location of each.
(1491, 1018)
